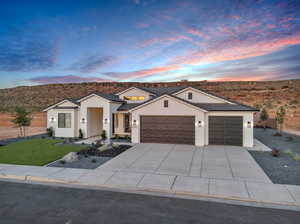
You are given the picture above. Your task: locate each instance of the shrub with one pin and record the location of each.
(289, 139)
(50, 132)
(62, 162)
(296, 157)
(117, 137)
(93, 160)
(280, 114)
(289, 152)
(275, 152)
(103, 135)
(80, 134)
(264, 116)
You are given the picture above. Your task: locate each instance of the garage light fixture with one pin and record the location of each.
(134, 123)
(199, 124)
(249, 124)
(83, 120)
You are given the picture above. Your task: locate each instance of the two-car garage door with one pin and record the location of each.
(168, 129)
(222, 130)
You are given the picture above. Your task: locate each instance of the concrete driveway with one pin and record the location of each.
(217, 162)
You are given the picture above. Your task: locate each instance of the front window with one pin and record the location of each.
(190, 96)
(134, 98)
(64, 120)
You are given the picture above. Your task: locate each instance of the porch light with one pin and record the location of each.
(249, 124)
(52, 119)
(105, 121)
(83, 120)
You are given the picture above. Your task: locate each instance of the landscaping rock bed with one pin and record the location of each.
(282, 169)
(89, 162)
(93, 151)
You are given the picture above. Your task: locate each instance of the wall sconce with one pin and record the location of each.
(249, 124)
(83, 120)
(134, 123)
(199, 124)
(52, 119)
(105, 121)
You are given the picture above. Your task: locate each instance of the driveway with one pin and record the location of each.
(217, 162)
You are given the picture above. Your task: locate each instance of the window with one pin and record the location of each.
(190, 96)
(134, 98)
(64, 120)
(166, 103)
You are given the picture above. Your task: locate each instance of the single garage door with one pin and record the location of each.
(226, 130)
(168, 129)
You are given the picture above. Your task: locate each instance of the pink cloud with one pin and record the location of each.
(165, 40)
(142, 25)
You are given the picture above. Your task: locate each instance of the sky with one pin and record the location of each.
(73, 41)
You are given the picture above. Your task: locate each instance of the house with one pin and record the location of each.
(181, 115)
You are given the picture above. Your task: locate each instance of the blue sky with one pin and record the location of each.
(64, 41)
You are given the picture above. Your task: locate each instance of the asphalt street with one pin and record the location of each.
(33, 203)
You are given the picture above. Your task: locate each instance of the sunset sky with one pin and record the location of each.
(63, 41)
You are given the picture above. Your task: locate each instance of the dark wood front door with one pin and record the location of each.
(225, 130)
(168, 129)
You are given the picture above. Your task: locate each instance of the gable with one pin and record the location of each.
(199, 96)
(175, 106)
(134, 92)
(63, 103)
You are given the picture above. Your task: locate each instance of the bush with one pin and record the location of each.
(80, 134)
(50, 132)
(289, 152)
(62, 162)
(117, 137)
(289, 139)
(275, 152)
(296, 157)
(103, 135)
(93, 160)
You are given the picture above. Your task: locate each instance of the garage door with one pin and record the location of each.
(226, 130)
(168, 129)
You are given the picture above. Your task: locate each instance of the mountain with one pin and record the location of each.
(271, 94)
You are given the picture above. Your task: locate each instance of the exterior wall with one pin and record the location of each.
(63, 132)
(198, 97)
(175, 108)
(247, 132)
(135, 92)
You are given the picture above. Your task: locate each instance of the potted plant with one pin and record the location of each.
(275, 152)
(103, 136)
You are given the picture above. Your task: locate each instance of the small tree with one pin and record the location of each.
(103, 135)
(264, 116)
(80, 133)
(280, 119)
(22, 119)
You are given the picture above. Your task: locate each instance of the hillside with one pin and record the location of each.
(272, 94)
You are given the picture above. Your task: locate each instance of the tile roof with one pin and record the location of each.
(107, 96)
(224, 107)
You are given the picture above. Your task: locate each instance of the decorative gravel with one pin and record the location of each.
(90, 162)
(93, 151)
(282, 169)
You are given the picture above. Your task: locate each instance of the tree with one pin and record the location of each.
(280, 118)
(264, 116)
(22, 119)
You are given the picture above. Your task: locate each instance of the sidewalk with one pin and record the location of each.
(170, 184)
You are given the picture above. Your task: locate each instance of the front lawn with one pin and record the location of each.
(36, 151)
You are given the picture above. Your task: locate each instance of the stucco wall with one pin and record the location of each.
(175, 108)
(135, 92)
(198, 97)
(247, 132)
(63, 132)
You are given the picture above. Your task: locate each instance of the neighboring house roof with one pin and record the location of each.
(110, 97)
(224, 107)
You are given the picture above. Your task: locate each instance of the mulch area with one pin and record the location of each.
(93, 151)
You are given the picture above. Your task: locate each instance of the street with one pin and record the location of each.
(33, 203)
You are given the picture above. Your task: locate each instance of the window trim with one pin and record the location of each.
(67, 121)
(166, 103)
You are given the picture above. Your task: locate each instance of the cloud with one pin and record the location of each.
(92, 63)
(167, 40)
(141, 73)
(66, 79)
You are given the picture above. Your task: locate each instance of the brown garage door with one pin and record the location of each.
(168, 129)
(226, 130)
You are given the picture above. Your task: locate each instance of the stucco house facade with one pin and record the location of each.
(178, 115)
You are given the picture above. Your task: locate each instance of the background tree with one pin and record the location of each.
(264, 116)
(22, 119)
(280, 113)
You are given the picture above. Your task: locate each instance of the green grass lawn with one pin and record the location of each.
(35, 152)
